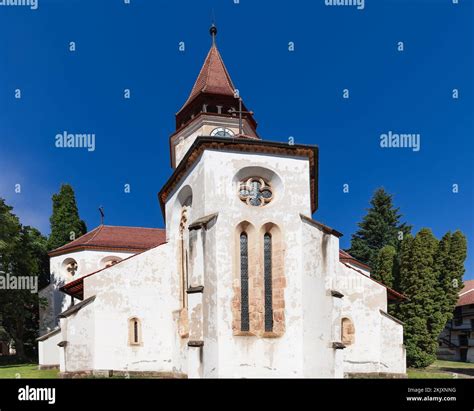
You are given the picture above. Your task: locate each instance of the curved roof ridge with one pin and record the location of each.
(98, 230)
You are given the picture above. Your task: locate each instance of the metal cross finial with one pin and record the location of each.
(102, 215)
(213, 31)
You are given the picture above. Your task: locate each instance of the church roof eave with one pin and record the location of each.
(114, 238)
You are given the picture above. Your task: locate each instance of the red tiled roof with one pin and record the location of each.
(118, 238)
(213, 78)
(347, 258)
(466, 295)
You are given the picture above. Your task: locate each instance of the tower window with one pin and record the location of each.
(244, 281)
(267, 262)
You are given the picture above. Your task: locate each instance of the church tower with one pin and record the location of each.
(214, 108)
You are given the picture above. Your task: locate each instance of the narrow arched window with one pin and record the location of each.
(134, 331)
(244, 282)
(183, 256)
(267, 269)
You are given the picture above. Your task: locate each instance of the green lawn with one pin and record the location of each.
(26, 371)
(440, 369)
(443, 369)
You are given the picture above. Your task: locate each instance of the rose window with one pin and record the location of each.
(71, 267)
(255, 192)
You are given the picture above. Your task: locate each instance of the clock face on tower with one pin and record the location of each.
(222, 132)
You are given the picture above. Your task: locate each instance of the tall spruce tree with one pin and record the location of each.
(418, 281)
(66, 224)
(383, 269)
(449, 264)
(455, 268)
(381, 226)
(443, 285)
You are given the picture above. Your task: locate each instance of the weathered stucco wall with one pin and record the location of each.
(392, 350)
(251, 356)
(88, 261)
(48, 351)
(140, 287)
(378, 345)
(320, 256)
(78, 331)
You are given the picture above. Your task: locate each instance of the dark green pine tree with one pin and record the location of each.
(66, 224)
(418, 281)
(381, 226)
(383, 269)
(22, 253)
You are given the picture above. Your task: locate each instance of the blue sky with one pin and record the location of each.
(295, 94)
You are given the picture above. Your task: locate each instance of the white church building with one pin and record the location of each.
(241, 282)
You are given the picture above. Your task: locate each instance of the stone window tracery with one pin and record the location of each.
(268, 293)
(71, 267)
(255, 191)
(258, 303)
(244, 281)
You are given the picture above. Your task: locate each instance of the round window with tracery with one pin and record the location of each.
(255, 191)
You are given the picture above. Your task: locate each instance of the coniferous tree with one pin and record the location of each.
(22, 254)
(443, 285)
(418, 281)
(66, 224)
(455, 266)
(381, 226)
(383, 269)
(449, 263)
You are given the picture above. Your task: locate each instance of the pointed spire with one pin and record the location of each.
(213, 91)
(213, 77)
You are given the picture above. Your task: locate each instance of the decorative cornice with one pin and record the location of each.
(202, 222)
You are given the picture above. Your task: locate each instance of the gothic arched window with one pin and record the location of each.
(267, 270)
(244, 281)
(183, 257)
